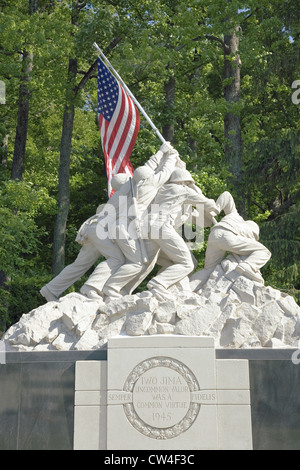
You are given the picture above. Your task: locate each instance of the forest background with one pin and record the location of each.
(220, 79)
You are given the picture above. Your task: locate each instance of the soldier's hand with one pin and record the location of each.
(212, 207)
(166, 147)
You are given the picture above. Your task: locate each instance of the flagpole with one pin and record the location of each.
(129, 93)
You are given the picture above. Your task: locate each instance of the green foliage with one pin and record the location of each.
(158, 40)
(20, 249)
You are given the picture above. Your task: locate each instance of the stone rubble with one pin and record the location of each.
(236, 311)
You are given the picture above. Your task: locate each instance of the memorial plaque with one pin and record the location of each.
(161, 405)
(165, 394)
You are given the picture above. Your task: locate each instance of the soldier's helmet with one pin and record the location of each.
(142, 173)
(118, 180)
(180, 175)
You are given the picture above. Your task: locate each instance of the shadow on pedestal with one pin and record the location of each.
(37, 399)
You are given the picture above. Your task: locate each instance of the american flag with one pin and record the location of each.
(119, 123)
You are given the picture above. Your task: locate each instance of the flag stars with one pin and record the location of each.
(108, 92)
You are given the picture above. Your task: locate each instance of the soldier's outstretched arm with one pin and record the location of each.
(155, 160)
(166, 170)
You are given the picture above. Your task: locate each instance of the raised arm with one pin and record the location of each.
(195, 196)
(155, 160)
(169, 164)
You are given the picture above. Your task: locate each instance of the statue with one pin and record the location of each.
(147, 180)
(168, 191)
(235, 235)
(94, 246)
(180, 190)
(226, 300)
(138, 228)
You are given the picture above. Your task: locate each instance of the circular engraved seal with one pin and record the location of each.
(161, 406)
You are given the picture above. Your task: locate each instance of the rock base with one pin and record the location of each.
(236, 311)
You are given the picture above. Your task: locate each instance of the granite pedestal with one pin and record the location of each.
(162, 392)
(37, 396)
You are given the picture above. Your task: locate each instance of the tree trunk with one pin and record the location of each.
(232, 121)
(59, 238)
(3, 278)
(22, 119)
(194, 79)
(33, 6)
(169, 127)
(3, 302)
(3, 154)
(23, 110)
(60, 224)
(193, 152)
(58, 260)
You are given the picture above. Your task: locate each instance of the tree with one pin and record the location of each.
(271, 128)
(232, 120)
(181, 61)
(23, 108)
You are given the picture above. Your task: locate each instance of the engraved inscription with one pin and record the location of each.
(161, 397)
(208, 396)
(119, 397)
(161, 406)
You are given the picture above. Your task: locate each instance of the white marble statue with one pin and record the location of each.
(227, 300)
(94, 246)
(138, 228)
(235, 235)
(161, 241)
(180, 190)
(147, 181)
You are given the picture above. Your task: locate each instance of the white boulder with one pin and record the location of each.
(236, 311)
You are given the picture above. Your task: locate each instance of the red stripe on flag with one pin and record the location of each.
(124, 134)
(117, 125)
(126, 160)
